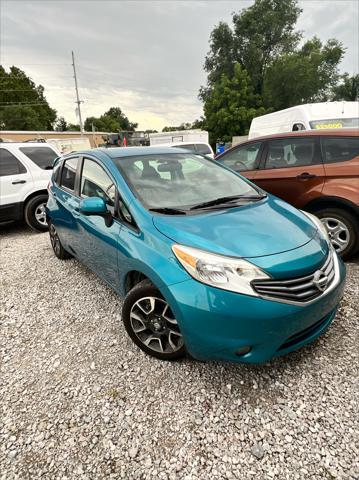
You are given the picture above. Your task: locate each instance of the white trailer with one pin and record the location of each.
(186, 136)
(307, 117)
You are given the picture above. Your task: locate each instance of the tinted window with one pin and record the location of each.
(9, 164)
(96, 183)
(43, 156)
(340, 149)
(179, 179)
(203, 149)
(292, 152)
(68, 174)
(243, 158)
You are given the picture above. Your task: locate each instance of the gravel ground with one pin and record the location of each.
(79, 400)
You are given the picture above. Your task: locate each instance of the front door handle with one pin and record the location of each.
(305, 176)
(15, 182)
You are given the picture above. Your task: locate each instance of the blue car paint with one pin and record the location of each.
(214, 322)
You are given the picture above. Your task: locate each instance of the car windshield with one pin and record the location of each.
(181, 180)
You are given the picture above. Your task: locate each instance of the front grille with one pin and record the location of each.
(300, 289)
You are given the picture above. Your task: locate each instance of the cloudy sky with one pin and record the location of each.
(144, 56)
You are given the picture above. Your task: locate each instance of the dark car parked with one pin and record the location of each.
(317, 171)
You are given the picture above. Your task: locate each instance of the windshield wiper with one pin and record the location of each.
(224, 200)
(168, 211)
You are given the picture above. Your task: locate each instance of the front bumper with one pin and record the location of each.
(216, 323)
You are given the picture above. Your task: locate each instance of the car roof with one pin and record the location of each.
(117, 152)
(25, 144)
(338, 132)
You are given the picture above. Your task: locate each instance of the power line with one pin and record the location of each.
(24, 105)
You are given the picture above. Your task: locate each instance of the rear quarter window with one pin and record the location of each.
(43, 157)
(340, 149)
(9, 164)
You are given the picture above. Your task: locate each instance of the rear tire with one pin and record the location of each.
(149, 321)
(35, 215)
(56, 244)
(343, 228)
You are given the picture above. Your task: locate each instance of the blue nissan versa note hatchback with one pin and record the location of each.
(207, 262)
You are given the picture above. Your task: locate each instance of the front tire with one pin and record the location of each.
(35, 214)
(343, 230)
(149, 321)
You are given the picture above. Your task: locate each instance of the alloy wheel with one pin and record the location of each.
(154, 324)
(338, 233)
(40, 214)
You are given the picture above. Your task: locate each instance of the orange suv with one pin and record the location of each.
(317, 171)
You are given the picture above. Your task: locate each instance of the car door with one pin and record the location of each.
(244, 159)
(65, 203)
(292, 169)
(16, 182)
(98, 245)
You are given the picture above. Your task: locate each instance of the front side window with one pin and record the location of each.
(340, 149)
(95, 182)
(68, 173)
(180, 180)
(9, 164)
(43, 157)
(292, 152)
(243, 158)
(297, 127)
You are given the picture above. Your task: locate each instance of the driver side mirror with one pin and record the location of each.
(96, 206)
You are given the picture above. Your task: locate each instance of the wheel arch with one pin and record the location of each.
(35, 194)
(332, 202)
(132, 278)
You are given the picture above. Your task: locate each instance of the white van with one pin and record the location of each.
(186, 136)
(194, 147)
(307, 117)
(68, 145)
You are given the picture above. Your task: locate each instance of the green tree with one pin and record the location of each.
(73, 127)
(260, 34)
(183, 126)
(61, 125)
(23, 105)
(306, 75)
(347, 90)
(111, 121)
(231, 105)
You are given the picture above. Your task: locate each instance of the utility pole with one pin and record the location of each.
(78, 101)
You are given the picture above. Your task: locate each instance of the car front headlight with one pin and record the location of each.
(219, 271)
(319, 225)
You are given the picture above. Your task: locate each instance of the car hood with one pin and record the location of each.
(267, 227)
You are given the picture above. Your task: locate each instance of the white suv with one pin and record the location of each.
(25, 171)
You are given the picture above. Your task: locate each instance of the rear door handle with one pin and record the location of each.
(305, 176)
(15, 182)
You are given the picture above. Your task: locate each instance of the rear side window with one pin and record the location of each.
(68, 173)
(203, 149)
(43, 157)
(340, 149)
(292, 152)
(9, 164)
